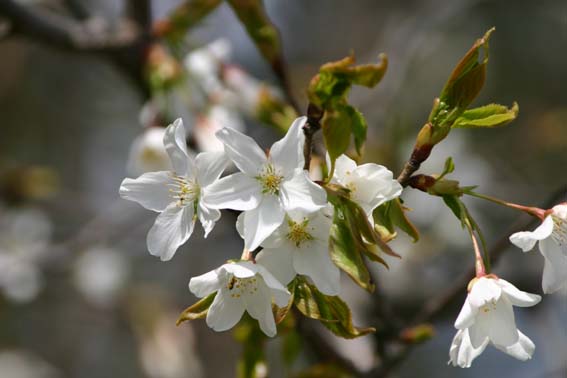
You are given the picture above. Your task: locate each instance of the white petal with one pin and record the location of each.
(242, 150)
(205, 284)
(503, 329)
(462, 353)
(374, 185)
(262, 221)
(314, 261)
(151, 190)
(208, 217)
(237, 191)
(560, 210)
(259, 306)
(478, 332)
(225, 311)
(280, 293)
(171, 229)
(484, 291)
(287, 153)
(555, 267)
(278, 262)
(526, 239)
(517, 297)
(175, 144)
(522, 350)
(466, 316)
(241, 269)
(344, 166)
(300, 193)
(210, 166)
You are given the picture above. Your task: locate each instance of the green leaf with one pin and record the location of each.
(359, 128)
(332, 311)
(184, 17)
(492, 115)
(259, 27)
(457, 207)
(337, 128)
(392, 214)
(198, 310)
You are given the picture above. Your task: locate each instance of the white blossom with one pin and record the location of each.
(301, 246)
(147, 152)
(24, 238)
(487, 316)
(241, 286)
(207, 125)
(177, 195)
(370, 184)
(205, 64)
(267, 186)
(552, 238)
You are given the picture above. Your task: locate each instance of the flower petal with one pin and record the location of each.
(171, 229)
(555, 267)
(300, 193)
(175, 144)
(225, 311)
(314, 261)
(237, 191)
(210, 166)
(374, 185)
(478, 332)
(344, 166)
(259, 306)
(208, 217)
(462, 353)
(280, 293)
(278, 262)
(287, 153)
(517, 297)
(526, 239)
(242, 150)
(484, 291)
(241, 269)
(466, 316)
(522, 350)
(262, 221)
(150, 190)
(205, 284)
(502, 328)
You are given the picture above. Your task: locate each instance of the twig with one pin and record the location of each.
(435, 306)
(314, 115)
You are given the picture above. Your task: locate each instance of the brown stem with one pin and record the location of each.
(418, 156)
(314, 115)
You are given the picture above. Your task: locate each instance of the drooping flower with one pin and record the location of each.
(301, 246)
(267, 186)
(370, 184)
(241, 286)
(552, 238)
(487, 316)
(177, 195)
(147, 153)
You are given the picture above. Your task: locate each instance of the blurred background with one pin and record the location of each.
(80, 296)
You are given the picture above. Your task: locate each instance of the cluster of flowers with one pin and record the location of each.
(283, 211)
(487, 315)
(213, 93)
(288, 215)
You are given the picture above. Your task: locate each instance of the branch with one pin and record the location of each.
(314, 115)
(435, 306)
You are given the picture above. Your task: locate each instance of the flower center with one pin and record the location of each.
(184, 191)
(241, 286)
(270, 180)
(488, 307)
(559, 233)
(298, 233)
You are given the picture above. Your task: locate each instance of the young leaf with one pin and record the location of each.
(198, 310)
(392, 214)
(492, 115)
(337, 128)
(332, 311)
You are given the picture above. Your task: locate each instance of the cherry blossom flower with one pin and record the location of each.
(267, 186)
(301, 246)
(208, 124)
(370, 184)
(552, 238)
(177, 195)
(488, 317)
(241, 286)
